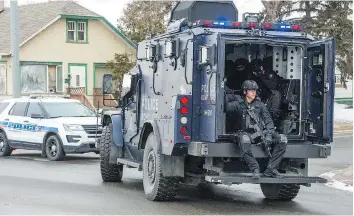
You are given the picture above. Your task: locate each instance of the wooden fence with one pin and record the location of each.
(98, 98)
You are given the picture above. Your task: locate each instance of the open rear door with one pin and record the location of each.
(320, 88)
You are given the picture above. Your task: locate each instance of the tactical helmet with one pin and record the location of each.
(249, 85)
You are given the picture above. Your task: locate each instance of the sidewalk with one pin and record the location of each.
(341, 126)
(340, 179)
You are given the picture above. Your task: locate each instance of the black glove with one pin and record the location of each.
(268, 139)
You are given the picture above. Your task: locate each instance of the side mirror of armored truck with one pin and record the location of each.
(107, 84)
(207, 55)
(128, 85)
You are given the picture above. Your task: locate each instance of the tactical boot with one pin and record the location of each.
(256, 174)
(273, 173)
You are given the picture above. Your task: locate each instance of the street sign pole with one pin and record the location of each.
(16, 79)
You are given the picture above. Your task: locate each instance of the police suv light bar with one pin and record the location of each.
(36, 96)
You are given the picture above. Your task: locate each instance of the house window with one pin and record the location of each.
(81, 31)
(71, 31)
(41, 78)
(76, 31)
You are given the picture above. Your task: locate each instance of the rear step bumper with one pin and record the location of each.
(247, 178)
(204, 149)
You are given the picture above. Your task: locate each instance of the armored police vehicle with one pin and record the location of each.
(171, 122)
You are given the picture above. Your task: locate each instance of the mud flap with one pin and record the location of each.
(117, 130)
(116, 150)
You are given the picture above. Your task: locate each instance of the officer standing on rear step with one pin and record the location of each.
(256, 127)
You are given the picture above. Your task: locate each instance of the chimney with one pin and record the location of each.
(2, 5)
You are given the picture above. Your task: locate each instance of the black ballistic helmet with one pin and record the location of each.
(249, 85)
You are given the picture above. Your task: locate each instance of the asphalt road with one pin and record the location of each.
(30, 184)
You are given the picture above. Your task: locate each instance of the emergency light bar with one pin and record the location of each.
(244, 25)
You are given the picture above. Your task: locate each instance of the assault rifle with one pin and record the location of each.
(259, 132)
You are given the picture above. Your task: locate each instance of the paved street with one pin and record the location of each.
(30, 184)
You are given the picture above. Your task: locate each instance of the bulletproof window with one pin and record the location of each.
(19, 109)
(34, 108)
(317, 59)
(3, 106)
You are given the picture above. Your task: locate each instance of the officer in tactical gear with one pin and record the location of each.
(256, 126)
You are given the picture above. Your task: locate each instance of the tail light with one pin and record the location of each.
(183, 100)
(184, 110)
(183, 130)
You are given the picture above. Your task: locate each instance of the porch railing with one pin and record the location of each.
(98, 98)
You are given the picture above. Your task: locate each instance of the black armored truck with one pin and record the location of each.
(171, 123)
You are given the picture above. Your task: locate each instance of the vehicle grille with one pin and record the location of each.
(91, 129)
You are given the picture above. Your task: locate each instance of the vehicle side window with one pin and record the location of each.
(3, 106)
(34, 108)
(18, 109)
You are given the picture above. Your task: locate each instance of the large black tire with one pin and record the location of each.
(285, 192)
(54, 148)
(5, 149)
(156, 186)
(109, 172)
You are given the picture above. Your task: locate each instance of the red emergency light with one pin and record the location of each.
(267, 26)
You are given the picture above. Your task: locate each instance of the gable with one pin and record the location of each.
(34, 18)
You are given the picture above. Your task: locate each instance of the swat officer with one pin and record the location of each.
(254, 115)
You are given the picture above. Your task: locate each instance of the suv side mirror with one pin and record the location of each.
(37, 116)
(107, 84)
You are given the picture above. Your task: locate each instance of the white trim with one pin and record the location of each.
(115, 33)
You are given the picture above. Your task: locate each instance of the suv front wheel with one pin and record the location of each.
(54, 148)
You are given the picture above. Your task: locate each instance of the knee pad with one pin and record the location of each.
(245, 139)
(245, 143)
(283, 138)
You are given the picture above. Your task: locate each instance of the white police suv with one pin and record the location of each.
(55, 126)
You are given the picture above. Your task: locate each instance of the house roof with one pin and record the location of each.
(34, 17)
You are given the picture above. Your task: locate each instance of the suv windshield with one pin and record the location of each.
(68, 109)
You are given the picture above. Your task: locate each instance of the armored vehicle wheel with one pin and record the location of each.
(156, 186)
(54, 148)
(109, 172)
(285, 192)
(5, 149)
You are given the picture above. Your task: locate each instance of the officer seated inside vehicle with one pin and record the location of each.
(255, 127)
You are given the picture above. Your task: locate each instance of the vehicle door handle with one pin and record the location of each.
(26, 121)
(6, 119)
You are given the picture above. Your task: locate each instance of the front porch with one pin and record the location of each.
(93, 101)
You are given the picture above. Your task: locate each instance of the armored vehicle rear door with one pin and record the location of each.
(320, 88)
(208, 66)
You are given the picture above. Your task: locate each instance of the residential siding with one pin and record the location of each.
(50, 46)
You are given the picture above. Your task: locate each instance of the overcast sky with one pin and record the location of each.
(112, 9)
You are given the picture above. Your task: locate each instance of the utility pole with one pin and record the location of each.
(16, 79)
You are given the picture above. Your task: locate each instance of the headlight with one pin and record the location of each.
(73, 127)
